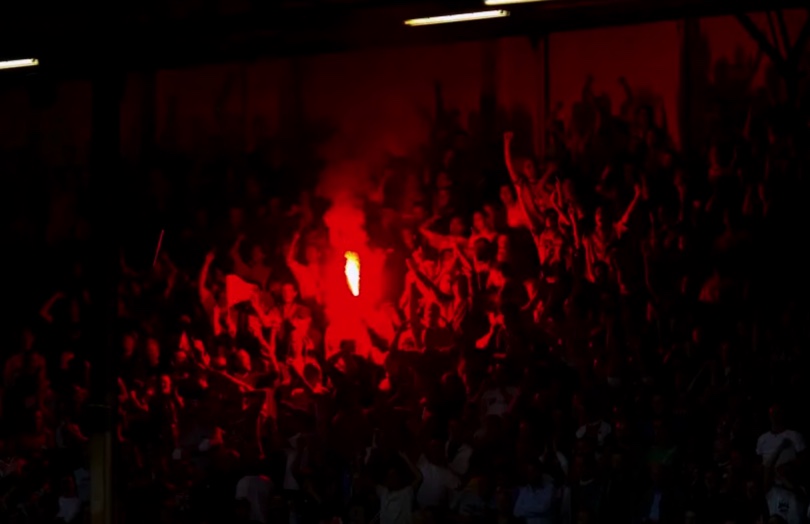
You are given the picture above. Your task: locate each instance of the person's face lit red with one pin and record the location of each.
(479, 222)
(529, 171)
(128, 345)
(443, 198)
(257, 255)
(288, 293)
(165, 384)
(153, 352)
(457, 227)
(491, 216)
(420, 214)
(507, 197)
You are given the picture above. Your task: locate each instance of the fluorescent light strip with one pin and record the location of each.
(14, 64)
(460, 17)
(510, 2)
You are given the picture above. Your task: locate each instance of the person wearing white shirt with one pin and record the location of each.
(457, 451)
(256, 490)
(290, 483)
(438, 482)
(784, 503)
(788, 443)
(535, 500)
(69, 503)
(396, 496)
(477, 501)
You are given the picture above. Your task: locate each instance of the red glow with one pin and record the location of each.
(352, 270)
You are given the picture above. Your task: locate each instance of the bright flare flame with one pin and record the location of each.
(352, 270)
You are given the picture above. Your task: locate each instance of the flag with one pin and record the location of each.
(237, 290)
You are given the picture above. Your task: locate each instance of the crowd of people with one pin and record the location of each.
(612, 333)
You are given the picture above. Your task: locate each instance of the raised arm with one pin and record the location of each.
(555, 204)
(507, 155)
(292, 251)
(45, 311)
(205, 293)
(425, 285)
(621, 225)
(240, 268)
(416, 472)
(436, 240)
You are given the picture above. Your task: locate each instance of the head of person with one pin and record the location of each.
(479, 222)
(128, 344)
(457, 226)
(288, 292)
(420, 213)
(242, 361)
(444, 198)
(257, 255)
(165, 384)
(152, 351)
(409, 239)
(491, 216)
(180, 358)
(528, 169)
(507, 194)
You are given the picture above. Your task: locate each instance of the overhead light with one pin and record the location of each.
(509, 2)
(23, 62)
(460, 17)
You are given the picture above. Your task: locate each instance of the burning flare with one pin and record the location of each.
(352, 270)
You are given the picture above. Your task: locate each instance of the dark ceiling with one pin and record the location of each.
(131, 34)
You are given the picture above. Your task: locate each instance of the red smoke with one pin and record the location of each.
(346, 313)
